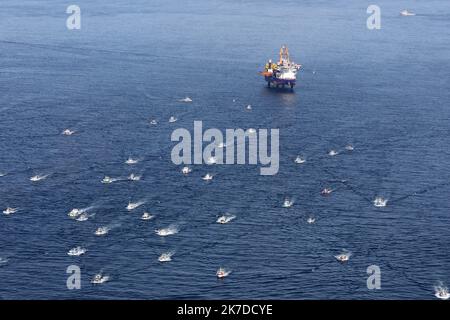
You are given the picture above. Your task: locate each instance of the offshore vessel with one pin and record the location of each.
(283, 73)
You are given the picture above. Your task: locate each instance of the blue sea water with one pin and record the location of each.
(384, 91)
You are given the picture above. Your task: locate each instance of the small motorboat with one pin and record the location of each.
(225, 218)
(343, 257)
(288, 203)
(10, 210)
(165, 257)
(166, 231)
(187, 99)
(326, 191)
(68, 132)
(207, 177)
(299, 160)
(131, 161)
(380, 202)
(99, 278)
(82, 217)
(133, 205)
(147, 216)
(186, 170)
(333, 153)
(74, 213)
(134, 177)
(107, 179)
(101, 231)
(77, 251)
(38, 178)
(442, 293)
(222, 273)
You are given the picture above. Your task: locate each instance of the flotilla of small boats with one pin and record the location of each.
(283, 73)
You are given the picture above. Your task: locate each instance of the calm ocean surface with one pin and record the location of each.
(384, 91)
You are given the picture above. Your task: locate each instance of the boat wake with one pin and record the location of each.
(134, 177)
(208, 177)
(441, 292)
(99, 278)
(101, 231)
(75, 213)
(164, 232)
(225, 218)
(407, 13)
(311, 220)
(39, 177)
(107, 179)
(333, 153)
(326, 191)
(77, 251)
(68, 132)
(349, 147)
(166, 256)
(222, 273)
(131, 161)
(147, 216)
(8, 211)
(84, 216)
(299, 160)
(134, 205)
(186, 99)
